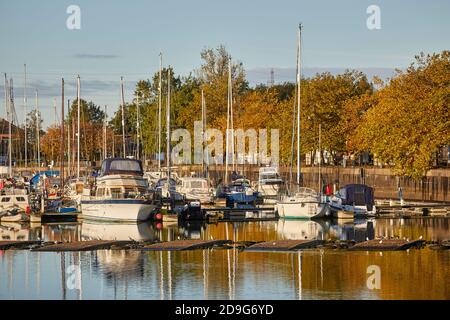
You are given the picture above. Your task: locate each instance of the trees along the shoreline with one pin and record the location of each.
(411, 120)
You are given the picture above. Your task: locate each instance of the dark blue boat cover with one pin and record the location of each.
(358, 195)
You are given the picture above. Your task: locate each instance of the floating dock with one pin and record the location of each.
(377, 245)
(184, 245)
(5, 245)
(85, 246)
(180, 245)
(285, 245)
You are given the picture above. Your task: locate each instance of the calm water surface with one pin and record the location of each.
(227, 274)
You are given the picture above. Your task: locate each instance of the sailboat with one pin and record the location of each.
(167, 185)
(305, 203)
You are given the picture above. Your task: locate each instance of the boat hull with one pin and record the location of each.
(118, 210)
(302, 210)
(15, 218)
(348, 211)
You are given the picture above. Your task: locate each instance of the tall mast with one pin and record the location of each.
(137, 127)
(204, 137)
(62, 132)
(7, 107)
(122, 103)
(78, 125)
(231, 116)
(203, 130)
(228, 126)
(10, 120)
(25, 113)
(206, 160)
(104, 134)
(54, 110)
(159, 110)
(298, 99)
(69, 164)
(320, 158)
(38, 132)
(168, 123)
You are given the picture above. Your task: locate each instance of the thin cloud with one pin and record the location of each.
(95, 56)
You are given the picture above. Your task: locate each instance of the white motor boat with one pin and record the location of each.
(120, 193)
(74, 189)
(269, 184)
(15, 199)
(306, 203)
(168, 189)
(196, 189)
(353, 200)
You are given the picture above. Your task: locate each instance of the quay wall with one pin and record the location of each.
(433, 187)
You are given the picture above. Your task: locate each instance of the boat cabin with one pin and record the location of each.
(14, 200)
(121, 166)
(357, 195)
(269, 175)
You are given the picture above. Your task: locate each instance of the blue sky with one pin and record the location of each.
(125, 37)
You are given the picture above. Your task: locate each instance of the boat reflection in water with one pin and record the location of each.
(118, 231)
(228, 274)
(358, 230)
(13, 231)
(300, 229)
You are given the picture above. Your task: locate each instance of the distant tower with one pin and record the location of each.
(272, 78)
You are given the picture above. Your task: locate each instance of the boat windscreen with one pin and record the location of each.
(125, 166)
(198, 184)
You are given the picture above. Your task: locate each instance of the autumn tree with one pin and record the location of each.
(411, 120)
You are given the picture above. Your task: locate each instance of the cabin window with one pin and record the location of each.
(20, 199)
(6, 199)
(131, 193)
(116, 193)
(100, 192)
(198, 184)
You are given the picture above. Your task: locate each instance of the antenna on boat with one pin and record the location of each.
(298, 101)
(78, 125)
(123, 117)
